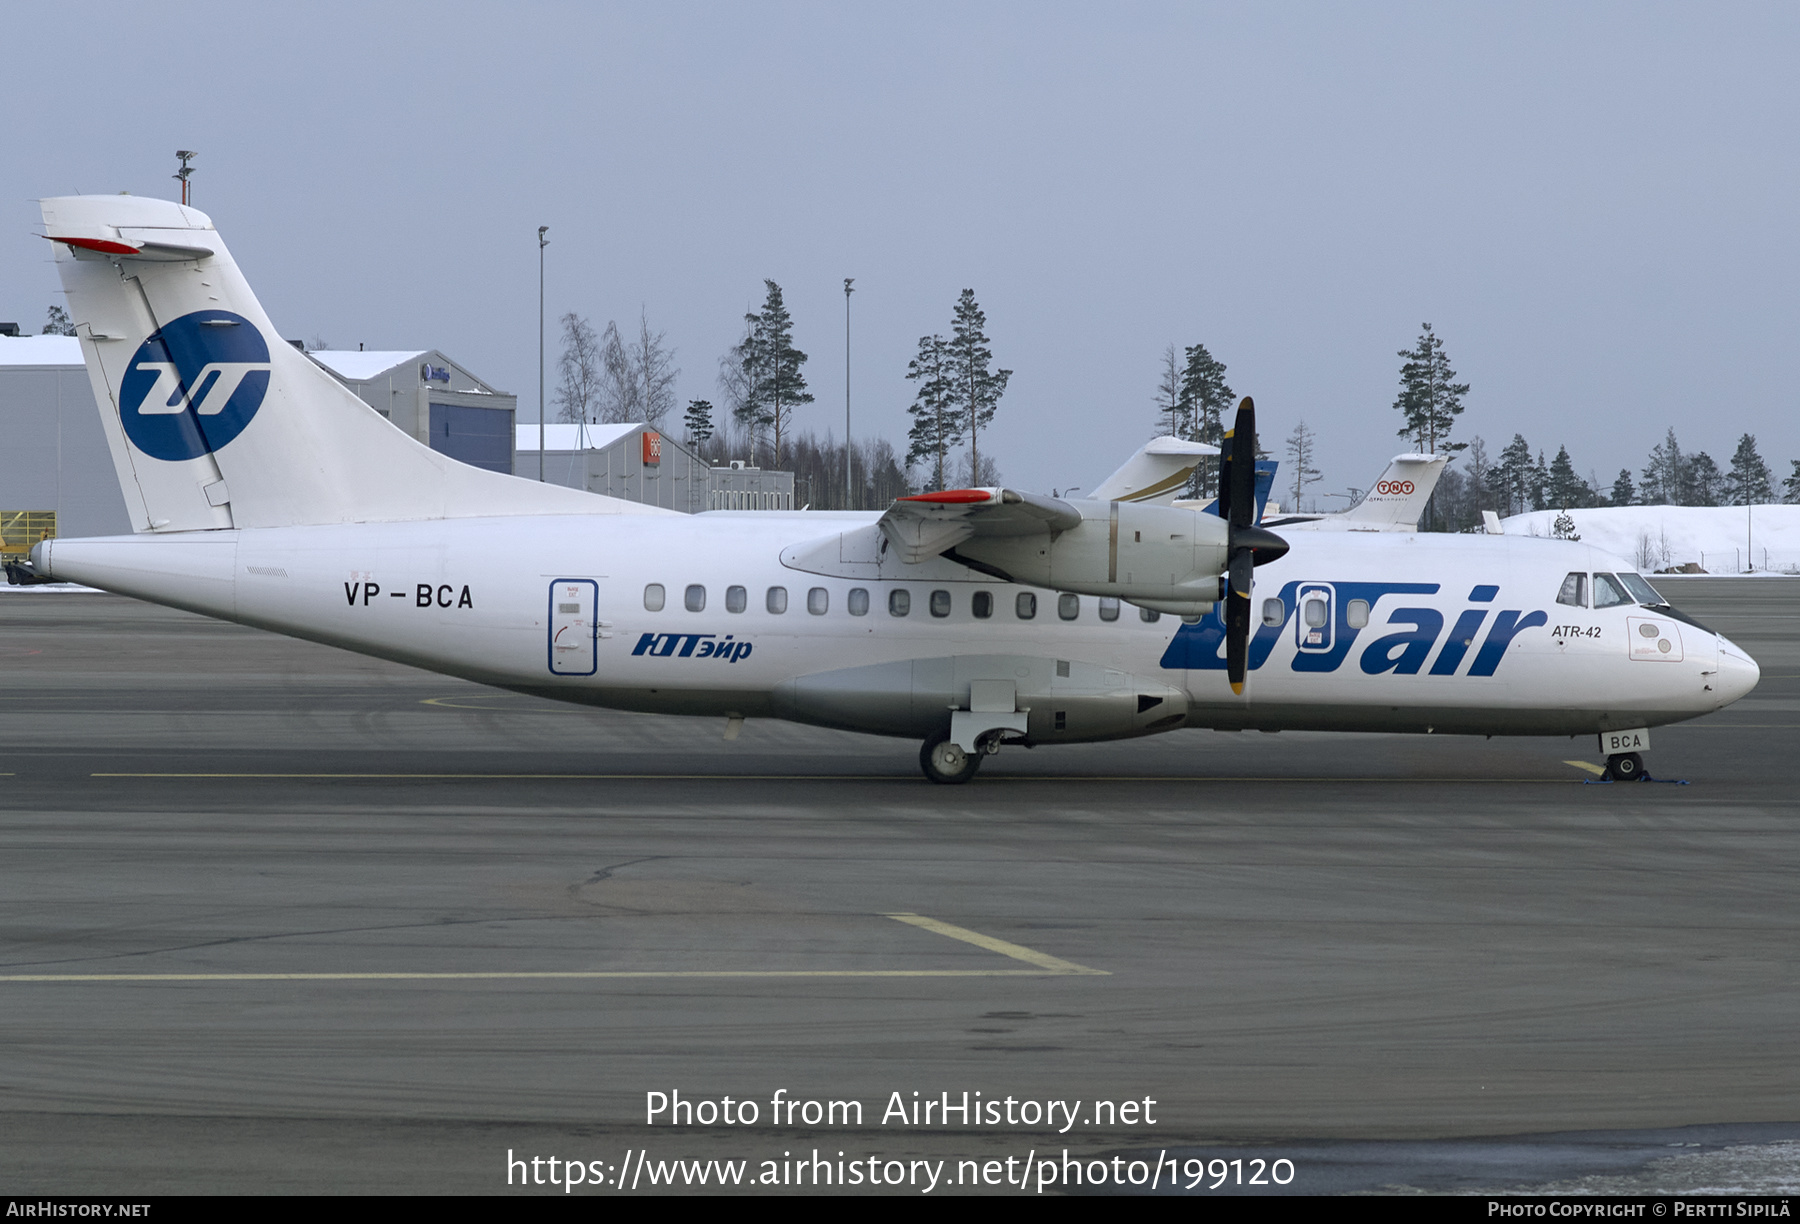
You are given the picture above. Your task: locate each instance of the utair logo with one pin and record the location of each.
(691, 646)
(1363, 620)
(193, 385)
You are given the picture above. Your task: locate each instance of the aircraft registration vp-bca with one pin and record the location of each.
(265, 493)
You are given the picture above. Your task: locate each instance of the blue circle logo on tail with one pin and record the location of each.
(194, 385)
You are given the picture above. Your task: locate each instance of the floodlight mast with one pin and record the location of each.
(186, 156)
(848, 462)
(542, 243)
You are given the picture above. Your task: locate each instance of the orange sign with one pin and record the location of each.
(652, 447)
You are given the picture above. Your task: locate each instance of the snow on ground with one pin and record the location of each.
(1720, 539)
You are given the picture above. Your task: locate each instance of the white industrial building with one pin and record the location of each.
(641, 464)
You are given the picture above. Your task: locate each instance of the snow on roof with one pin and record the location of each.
(40, 351)
(561, 437)
(359, 366)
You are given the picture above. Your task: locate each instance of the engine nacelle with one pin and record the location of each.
(1123, 549)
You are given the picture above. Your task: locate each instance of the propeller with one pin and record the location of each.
(1248, 545)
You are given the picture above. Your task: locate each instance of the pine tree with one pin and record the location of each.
(1430, 397)
(1565, 488)
(57, 323)
(1748, 482)
(1205, 395)
(1300, 449)
(1540, 483)
(1664, 475)
(1702, 486)
(937, 426)
(1515, 475)
(1623, 494)
(1790, 488)
(699, 421)
(975, 389)
(772, 364)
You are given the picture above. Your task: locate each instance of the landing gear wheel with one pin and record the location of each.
(947, 764)
(1626, 767)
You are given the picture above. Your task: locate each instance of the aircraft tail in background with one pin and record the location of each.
(1394, 503)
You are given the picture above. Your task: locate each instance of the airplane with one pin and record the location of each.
(1393, 503)
(263, 492)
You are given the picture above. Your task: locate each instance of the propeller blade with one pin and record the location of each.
(1242, 511)
(1237, 619)
(1250, 546)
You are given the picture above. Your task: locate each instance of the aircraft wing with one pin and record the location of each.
(923, 526)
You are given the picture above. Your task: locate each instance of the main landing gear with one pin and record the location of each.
(1625, 767)
(946, 763)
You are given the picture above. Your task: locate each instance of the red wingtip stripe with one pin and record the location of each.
(952, 497)
(96, 244)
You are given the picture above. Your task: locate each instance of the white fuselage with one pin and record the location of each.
(1458, 634)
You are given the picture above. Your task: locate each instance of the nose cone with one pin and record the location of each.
(1738, 672)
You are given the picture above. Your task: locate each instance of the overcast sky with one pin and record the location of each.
(1594, 205)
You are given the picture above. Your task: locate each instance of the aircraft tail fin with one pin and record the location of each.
(213, 420)
(1156, 474)
(1398, 498)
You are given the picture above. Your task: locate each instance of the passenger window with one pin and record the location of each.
(1314, 612)
(858, 602)
(818, 601)
(1574, 591)
(899, 602)
(1149, 615)
(653, 597)
(940, 603)
(1274, 612)
(1109, 608)
(696, 598)
(1068, 606)
(736, 599)
(1608, 593)
(1026, 605)
(777, 600)
(1356, 613)
(981, 604)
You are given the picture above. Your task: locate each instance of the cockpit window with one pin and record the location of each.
(1574, 591)
(1608, 592)
(1642, 591)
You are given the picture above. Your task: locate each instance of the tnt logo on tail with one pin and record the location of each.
(194, 385)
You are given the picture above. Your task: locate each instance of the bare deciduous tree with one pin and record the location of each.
(1301, 449)
(578, 389)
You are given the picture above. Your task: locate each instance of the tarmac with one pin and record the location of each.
(275, 917)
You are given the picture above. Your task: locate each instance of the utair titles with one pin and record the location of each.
(922, 1109)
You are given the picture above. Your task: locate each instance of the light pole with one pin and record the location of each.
(848, 281)
(542, 243)
(186, 156)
